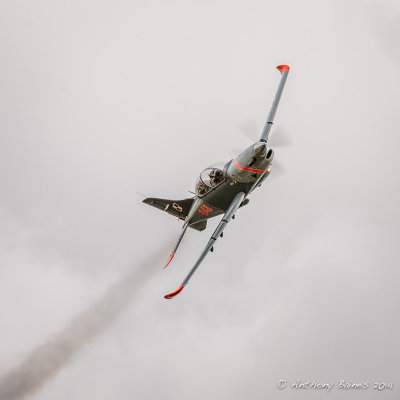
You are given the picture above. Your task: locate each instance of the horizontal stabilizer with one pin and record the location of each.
(199, 226)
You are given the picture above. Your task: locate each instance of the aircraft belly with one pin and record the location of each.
(222, 196)
(217, 201)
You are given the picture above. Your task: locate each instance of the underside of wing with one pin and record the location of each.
(237, 201)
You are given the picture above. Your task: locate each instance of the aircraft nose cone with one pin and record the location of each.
(260, 148)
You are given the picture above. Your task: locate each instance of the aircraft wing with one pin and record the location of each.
(284, 70)
(237, 201)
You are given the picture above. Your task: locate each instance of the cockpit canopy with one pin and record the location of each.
(210, 178)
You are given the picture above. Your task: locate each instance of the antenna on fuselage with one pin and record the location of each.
(284, 70)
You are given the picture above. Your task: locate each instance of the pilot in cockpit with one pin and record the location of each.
(216, 176)
(201, 188)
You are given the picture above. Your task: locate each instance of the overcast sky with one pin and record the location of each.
(103, 99)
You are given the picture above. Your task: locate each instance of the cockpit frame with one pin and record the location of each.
(210, 178)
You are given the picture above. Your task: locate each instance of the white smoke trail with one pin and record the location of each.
(45, 361)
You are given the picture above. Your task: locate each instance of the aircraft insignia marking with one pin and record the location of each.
(177, 207)
(205, 210)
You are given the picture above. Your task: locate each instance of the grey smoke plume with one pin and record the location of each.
(45, 361)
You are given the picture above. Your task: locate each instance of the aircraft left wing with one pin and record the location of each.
(237, 201)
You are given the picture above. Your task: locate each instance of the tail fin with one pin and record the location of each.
(177, 208)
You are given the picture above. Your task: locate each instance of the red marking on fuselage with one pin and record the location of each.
(257, 171)
(205, 210)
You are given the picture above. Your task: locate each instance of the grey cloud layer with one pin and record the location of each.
(101, 100)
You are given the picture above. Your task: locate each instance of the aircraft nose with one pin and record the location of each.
(260, 148)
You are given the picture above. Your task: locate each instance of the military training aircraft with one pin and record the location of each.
(223, 189)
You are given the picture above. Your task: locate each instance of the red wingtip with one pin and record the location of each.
(173, 294)
(169, 260)
(283, 68)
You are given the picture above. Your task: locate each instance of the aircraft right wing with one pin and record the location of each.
(237, 201)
